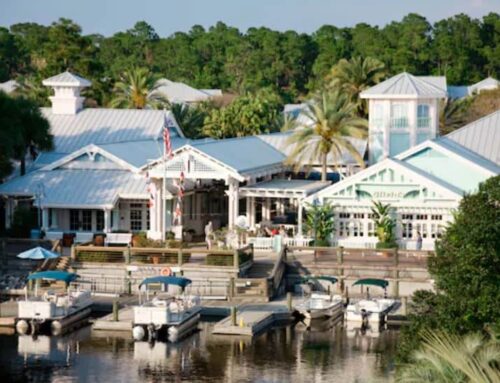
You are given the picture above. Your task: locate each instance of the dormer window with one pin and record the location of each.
(423, 116)
(399, 116)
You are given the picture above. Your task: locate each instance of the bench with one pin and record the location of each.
(118, 239)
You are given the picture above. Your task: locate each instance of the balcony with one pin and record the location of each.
(423, 122)
(399, 123)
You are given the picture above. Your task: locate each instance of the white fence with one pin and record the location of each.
(273, 243)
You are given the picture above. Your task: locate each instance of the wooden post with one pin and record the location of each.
(179, 257)
(73, 253)
(231, 288)
(289, 301)
(233, 316)
(127, 255)
(340, 271)
(404, 305)
(115, 310)
(236, 260)
(395, 290)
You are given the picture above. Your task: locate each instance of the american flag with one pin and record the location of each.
(167, 150)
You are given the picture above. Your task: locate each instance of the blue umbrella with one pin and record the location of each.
(38, 253)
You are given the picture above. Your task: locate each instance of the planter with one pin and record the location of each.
(99, 239)
(155, 259)
(136, 240)
(68, 239)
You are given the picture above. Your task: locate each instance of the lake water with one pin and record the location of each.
(327, 352)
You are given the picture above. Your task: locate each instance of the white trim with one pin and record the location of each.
(88, 149)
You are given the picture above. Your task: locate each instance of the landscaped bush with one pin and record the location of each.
(219, 260)
(100, 256)
(23, 221)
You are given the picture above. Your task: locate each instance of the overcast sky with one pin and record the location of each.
(167, 16)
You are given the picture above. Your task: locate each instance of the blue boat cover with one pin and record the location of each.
(178, 281)
(54, 275)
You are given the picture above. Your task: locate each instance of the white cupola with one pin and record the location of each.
(403, 112)
(67, 87)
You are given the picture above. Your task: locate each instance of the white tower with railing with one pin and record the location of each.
(67, 87)
(403, 112)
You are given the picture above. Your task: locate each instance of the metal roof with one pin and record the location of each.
(297, 188)
(183, 93)
(82, 188)
(242, 154)
(405, 85)
(487, 83)
(280, 142)
(481, 137)
(107, 126)
(66, 79)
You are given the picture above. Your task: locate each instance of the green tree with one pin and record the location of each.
(333, 121)
(356, 75)
(189, 118)
(29, 131)
(11, 56)
(246, 115)
(138, 89)
(320, 222)
(453, 114)
(448, 358)
(384, 225)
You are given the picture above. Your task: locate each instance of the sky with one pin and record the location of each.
(167, 16)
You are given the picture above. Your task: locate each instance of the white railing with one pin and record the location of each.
(269, 243)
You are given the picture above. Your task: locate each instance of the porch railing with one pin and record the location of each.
(269, 243)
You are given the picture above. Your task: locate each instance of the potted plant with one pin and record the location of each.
(320, 223)
(384, 226)
(138, 239)
(99, 239)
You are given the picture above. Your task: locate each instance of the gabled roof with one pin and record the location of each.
(481, 137)
(66, 79)
(79, 188)
(405, 85)
(107, 126)
(409, 171)
(487, 83)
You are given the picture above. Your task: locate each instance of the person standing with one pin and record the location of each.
(209, 233)
(419, 241)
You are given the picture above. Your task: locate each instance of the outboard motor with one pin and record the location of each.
(152, 333)
(364, 317)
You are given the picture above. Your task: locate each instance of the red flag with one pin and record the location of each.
(167, 150)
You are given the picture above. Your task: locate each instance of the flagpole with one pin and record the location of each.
(164, 186)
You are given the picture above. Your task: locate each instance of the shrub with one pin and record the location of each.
(23, 221)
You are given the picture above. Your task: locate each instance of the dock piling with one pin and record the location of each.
(115, 310)
(289, 301)
(233, 316)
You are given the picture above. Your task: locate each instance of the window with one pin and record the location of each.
(377, 117)
(86, 220)
(399, 116)
(136, 216)
(423, 117)
(407, 225)
(99, 220)
(74, 220)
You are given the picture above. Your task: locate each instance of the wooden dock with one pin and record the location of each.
(124, 323)
(252, 319)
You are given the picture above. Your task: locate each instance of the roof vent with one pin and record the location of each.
(67, 87)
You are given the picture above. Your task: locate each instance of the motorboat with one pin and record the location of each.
(320, 304)
(165, 315)
(372, 311)
(53, 310)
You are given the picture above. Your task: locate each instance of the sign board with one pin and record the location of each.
(388, 191)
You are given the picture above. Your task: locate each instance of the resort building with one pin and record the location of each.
(107, 171)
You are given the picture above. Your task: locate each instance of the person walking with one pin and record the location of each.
(209, 233)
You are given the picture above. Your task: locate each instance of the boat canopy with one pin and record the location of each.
(308, 278)
(178, 281)
(372, 282)
(54, 275)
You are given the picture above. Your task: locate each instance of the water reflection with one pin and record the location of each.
(323, 351)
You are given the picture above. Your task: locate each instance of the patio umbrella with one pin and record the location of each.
(38, 253)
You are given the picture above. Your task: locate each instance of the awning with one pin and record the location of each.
(279, 188)
(372, 282)
(309, 278)
(54, 276)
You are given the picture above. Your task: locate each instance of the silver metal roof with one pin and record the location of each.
(280, 142)
(405, 85)
(242, 154)
(283, 188)
(481, 137)
(183, 93)
(83, 188)
(106, 126)
(66, 79)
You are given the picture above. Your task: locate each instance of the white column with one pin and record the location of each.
(45, 219)
(53, 213)
(236, 201)
(412, 121)
(387, 128)
(268, 209)
(299, 220)
(107, 220)
(9, 212)
(233, 202)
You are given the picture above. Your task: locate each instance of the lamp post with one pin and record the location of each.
(39, 195)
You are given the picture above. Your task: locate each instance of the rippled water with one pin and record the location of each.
(326, 353)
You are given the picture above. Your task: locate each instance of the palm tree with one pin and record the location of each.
(333, 122)
(31, 87)
(189, 118)
(138, 89)
(445, 358)
(384, 224)
(453, 114)
(354, 76)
